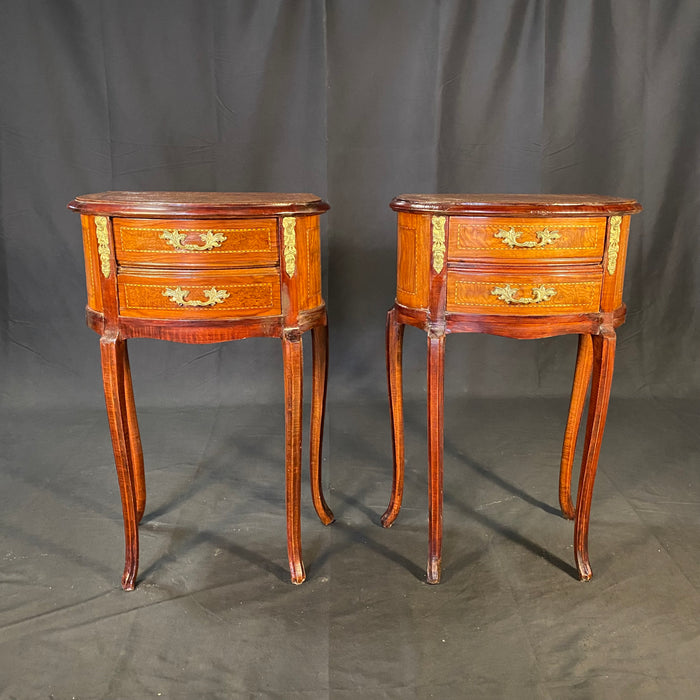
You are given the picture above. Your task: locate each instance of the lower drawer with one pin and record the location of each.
(531, 294)
(198, 295)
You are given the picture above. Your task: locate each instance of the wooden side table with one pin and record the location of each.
(204, 267)
(522, 266)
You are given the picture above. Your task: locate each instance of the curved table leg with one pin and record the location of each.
(293, 394)
(319, 345)
(582, 379)
(112, 349)
(394, 352)
(436, 374)
(603, 362)
(135, 449)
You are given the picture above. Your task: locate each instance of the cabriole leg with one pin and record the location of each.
(394, 352)
(293, 388)
(319, 344)
(436, 373)
(113, 351)
(135, 449)
(582, 379)
(603, 361)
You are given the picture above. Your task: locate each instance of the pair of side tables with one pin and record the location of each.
(199, 267)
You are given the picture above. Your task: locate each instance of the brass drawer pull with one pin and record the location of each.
(508, 294)
(177, 240)
(214, 296)
(510, 238)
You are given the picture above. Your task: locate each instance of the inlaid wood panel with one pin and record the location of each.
(196, 242)
(413, 268)
(92, 263)
(200, 295)
(526, 239)
(308, 241)
(532, 294)
(614, 263)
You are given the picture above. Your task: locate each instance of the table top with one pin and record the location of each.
(198, 203)
(514, 204)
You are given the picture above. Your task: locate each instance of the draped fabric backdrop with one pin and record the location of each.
(356, 101)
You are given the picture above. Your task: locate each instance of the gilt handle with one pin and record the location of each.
(213, 296)
(209, 239)
(511, 236)
(510, 294)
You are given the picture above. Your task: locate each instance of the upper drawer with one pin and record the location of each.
(526, 239)
(196, 242)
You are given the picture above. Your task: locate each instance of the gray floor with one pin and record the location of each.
(214, 615)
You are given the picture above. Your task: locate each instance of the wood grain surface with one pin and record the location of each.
(524, 240)
(156, 243)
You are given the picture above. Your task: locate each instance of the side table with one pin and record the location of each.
(205, 267)
(521, 266)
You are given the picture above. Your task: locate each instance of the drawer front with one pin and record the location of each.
(531, 294)
(526, 239)
(196, 242)
(199, 295)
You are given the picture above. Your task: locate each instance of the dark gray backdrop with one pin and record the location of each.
(357, 101)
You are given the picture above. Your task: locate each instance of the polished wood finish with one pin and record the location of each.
(226, 205)
(520, 266)
(472, 291)
(206, 267)
(237, 243)
(112, 349)
(248, 293)
(582, 380)
(436, 381)
(603, 362)
(293, 396)
(514, 204)
(413, 277)
(394, 366)
(526, 239)
(319, 341)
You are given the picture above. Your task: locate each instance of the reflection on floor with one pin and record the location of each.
(215, 616)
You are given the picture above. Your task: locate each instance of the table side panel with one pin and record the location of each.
(308, 242)
(92, 263)
(413, 264)
(615, 260)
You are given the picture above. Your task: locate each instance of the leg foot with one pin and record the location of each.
(394, 352)
(436, 373)
(603, 362)
(434, 570)
(293, 386)
(582, 378)
(113, 363)
(319, 344)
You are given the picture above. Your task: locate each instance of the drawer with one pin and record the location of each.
(531, 294)
(196, 242)
(526, 239)
(199, 295)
